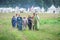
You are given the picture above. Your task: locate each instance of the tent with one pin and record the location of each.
(52, 9)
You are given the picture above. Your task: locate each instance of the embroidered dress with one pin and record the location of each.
(24, 23)
(14, 22)
(19, 23)
(36, 22)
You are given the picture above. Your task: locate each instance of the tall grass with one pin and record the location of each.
(49, 28)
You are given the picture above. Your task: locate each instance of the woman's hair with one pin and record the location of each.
(33, 13)
(16, 14)
(13, 16)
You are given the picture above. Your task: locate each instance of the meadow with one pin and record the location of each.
(49, 28)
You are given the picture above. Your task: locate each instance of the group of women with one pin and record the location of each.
(21, 23)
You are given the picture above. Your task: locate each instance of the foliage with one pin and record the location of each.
(28, 3)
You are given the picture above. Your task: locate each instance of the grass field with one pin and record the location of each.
(49, 28)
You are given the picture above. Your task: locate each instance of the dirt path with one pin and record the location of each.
(19, 33)
(24, 37)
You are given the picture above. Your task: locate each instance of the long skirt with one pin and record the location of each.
(36, 25)
(14, 24)
(24, 26)
(19, 26)
(30, 26)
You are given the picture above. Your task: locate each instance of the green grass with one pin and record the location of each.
(49, 28)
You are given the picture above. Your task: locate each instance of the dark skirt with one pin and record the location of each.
(13, 23)
(30, 26)
(19, 23)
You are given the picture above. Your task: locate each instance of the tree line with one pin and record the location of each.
(28, 3)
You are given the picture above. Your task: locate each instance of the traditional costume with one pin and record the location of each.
(35, 22)
(24, 23)
(38, 22)
(29, 23)
(19, 23)
(14, 21)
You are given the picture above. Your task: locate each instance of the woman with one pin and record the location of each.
(24, 23)
(35, 22)
(19, 22)
(38, 22)
(29, 22)
(14, 21)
